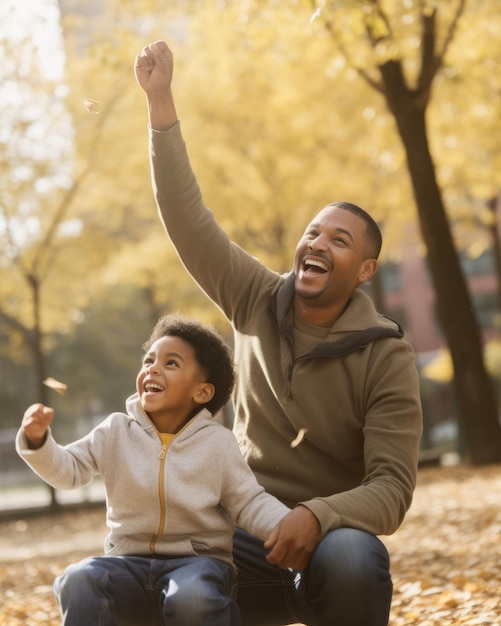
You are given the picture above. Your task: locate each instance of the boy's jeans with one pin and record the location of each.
(143, 591)
(347, 583)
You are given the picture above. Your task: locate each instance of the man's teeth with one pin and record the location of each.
(315, 263)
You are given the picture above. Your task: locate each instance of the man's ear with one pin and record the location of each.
(205, 393)
(368, 269)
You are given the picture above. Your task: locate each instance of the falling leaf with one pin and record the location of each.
(300, 436)
(56, 385)
(315, 15)
(92, 106)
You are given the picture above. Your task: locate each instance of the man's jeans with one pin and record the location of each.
(347, 583)
(142, 591)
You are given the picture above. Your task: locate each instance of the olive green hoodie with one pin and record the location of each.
(356, 395)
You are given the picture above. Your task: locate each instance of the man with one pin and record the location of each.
(327, 408)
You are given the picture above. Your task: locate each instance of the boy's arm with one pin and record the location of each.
(62, 467)
(246, 501)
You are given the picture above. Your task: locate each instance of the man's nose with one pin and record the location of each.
(318, 243)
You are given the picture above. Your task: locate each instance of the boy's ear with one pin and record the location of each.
(205, 393)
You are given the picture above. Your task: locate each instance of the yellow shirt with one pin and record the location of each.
(166, 439)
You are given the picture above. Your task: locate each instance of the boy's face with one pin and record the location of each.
(170, 383)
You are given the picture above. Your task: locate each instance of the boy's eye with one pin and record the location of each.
(172, 362)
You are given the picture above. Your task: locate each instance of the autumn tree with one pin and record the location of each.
(64, 209)
(86, 238)
(405, 79)
(33, 204)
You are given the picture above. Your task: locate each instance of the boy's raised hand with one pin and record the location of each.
(36, 421)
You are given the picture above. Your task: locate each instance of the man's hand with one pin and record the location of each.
(36, 421)
(294, 539)
(153, 69)
(154, 66)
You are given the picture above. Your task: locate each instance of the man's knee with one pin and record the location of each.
(348, 580)
(347, 556)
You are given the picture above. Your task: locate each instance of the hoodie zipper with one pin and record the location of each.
(161, 496)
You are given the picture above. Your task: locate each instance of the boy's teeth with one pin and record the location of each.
(152, 387)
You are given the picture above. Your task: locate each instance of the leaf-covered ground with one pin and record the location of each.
(446, 557)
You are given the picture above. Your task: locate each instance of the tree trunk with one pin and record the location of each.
(39, 359)
(475, 390)
(495, 207)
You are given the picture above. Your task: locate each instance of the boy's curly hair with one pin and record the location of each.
(212, 353)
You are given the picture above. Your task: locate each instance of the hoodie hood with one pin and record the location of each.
(135, 410)
(359, 325)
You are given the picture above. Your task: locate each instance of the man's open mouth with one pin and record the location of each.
(315, 266)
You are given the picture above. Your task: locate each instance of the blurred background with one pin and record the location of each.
(286, 106)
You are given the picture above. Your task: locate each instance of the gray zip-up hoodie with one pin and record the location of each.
(181, 501)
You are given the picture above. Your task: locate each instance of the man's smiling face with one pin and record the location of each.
(331, 259)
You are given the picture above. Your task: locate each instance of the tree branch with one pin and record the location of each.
(45, 246)
(431, 61)
(364, 74)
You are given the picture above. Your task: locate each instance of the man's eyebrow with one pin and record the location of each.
(338, 229)
(345, 231)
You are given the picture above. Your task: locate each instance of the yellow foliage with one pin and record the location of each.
(493, 358)
(278, 122)
(441, 370)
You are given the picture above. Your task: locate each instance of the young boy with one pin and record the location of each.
(176, 486)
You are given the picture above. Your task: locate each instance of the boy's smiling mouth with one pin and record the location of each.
(151, 387)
